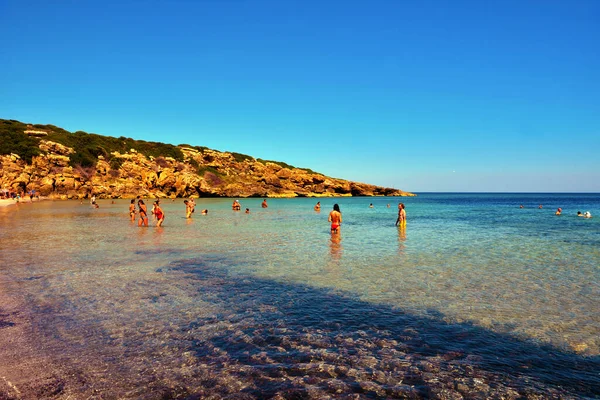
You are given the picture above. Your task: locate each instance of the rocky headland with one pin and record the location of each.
(59, 164)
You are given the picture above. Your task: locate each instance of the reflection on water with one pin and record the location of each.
(335, 247)
(271, 304)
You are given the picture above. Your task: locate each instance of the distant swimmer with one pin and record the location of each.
(540, 206)
(558, 211)
(236, 206)
(401, 220)
(264, 204)
(371, 205)
(388, 205)
(247, 211)
(579, 214)
(335, 217)
(318, 206)
(158, 213)
(143, 213)
(587, 214)
(521, 206)
(204, 212)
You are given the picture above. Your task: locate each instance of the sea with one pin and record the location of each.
(476, 297)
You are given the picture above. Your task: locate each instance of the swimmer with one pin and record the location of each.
(192, 205)
(587, 214)
(318, 206)
(236, 206)
(143, 211)
(153, 211)
(264, 204)
(401, 215)
(371, 205)
(579, 214)
(188, 209)
(204, 212)
(132, 210)
(335, 217)
(159, 214)
(558, 212)
(247, 211)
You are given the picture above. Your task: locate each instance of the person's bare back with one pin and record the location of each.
(335, 217)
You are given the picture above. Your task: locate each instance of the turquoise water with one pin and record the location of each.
(476, 295)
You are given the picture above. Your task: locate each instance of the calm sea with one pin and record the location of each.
(476, 297)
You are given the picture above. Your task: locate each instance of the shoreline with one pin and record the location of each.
(7, 202)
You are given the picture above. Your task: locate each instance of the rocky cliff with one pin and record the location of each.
(198, 172)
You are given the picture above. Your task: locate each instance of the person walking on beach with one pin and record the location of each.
(132, 210)
(335, 217)
(264, 204)
(401, 215)
(159, 214)
(143, 211)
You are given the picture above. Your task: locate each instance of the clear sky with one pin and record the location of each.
(416, 95)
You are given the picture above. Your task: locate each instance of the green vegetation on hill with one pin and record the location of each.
(12, 140)
(87, 146)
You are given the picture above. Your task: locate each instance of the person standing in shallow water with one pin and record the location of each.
(335, 217)
(264, 204)
(401, 215)
(143, 211)
(132, 210)
(158, 213)
(318, 206)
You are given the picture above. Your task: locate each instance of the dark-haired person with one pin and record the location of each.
(318, 206)
(189, 209)
(401, 215)
(143, 211)
(264, 204)
(159, 214)
(335, 217)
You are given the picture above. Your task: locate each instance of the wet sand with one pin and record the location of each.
(7, 202)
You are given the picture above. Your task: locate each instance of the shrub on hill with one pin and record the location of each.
(13, 140)
(87, 146)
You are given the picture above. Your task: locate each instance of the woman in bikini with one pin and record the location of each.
(159, 214)
(132, 210)
(143, 213)
(335, 217)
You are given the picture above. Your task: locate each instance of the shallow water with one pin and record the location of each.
(475, 297)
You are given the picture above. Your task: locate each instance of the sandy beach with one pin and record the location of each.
(7, 202)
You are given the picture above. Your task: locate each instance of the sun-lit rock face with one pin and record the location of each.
(202, 173)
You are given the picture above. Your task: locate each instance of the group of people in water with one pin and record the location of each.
(559, 210)
(335, 216)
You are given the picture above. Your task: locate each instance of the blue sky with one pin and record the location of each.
(417, 95)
